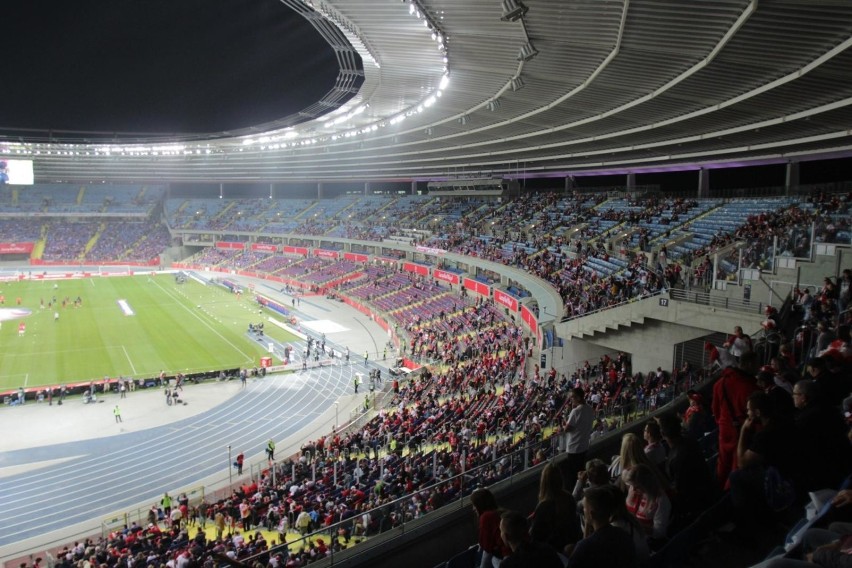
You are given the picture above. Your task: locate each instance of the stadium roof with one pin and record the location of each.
(538, 87)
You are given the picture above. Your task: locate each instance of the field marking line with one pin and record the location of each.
(92, 280)
(210, 327)
(26, 379)
(43, 353)
(132, 366)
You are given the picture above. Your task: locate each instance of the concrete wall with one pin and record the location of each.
(650, 345)
(574, 353)
(648, 330)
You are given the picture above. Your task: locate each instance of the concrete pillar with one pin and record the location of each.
(271, 190)
(413, 187)
(221, 190)
(791, 179)
(366, 188)
(319, 190)
(703, 182)
(631, 182)
(570, 184)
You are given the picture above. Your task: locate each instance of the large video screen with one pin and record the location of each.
(16, 172)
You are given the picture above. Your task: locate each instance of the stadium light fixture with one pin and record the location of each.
(513, 10)
(517, 83)
(527, 52)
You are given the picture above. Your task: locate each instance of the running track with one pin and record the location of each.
(111, 474)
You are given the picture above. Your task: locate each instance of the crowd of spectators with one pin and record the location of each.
(477, 402)
(779, 443)
(400, 465)
(13, 231)
(139, 241)
(482, 400)
(67, 241)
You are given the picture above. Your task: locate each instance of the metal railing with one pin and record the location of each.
(398, 515)
(395, 516)
(707, 299)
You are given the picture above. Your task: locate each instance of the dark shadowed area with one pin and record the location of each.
(158, 66)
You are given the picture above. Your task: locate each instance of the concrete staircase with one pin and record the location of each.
(625, 315)
(713, 316)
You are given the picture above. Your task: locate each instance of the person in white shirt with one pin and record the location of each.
(578, 435)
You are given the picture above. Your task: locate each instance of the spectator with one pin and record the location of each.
(632, 454)
(654, 448)
(696, 419)
(603, 545)
(624, 520)
(782, 401)
(692, 483)
(739, 343)
(820, 441)
(648, 502)
(822, 548)
(596, 474)
(579, 430)
(525, 552)
(491, 544)
(833, 386)
(730, 394)
(555, 520)
(764, 443)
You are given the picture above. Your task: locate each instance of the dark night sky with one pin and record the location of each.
(164, 66)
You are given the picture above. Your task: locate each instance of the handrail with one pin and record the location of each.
(607, 308)
(620, 414)
(527, 454)
(707, 299)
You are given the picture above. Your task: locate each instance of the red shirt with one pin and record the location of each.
(489, 533)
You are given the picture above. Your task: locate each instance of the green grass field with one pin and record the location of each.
(176, 328)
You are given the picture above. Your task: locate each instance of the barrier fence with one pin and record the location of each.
(510, 453)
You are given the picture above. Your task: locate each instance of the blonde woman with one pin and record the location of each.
(632, 454)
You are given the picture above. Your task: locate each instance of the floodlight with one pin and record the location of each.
(527, 52)
(513, 11)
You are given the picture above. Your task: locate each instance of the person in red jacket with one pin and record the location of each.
(730, 397)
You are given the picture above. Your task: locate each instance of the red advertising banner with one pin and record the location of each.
(356, 257)
(505, 299)
(227, 245)
(529, 318)
(450, 277)
(16, 248)
(295, 250)
(322, 253)
(476, 286)
(415, 268)
(264, 247)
